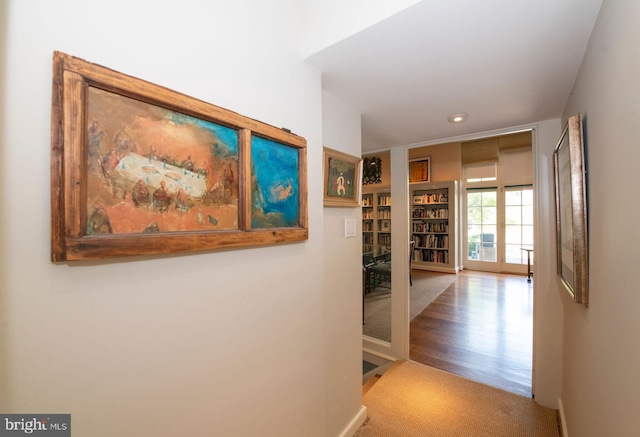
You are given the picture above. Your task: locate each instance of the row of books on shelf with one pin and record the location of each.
(367, 227)
(431, 198)
(431, 256)
(430, 227)
(367, 239)
(431, 241)
(384, 201)
(367, 201)
(367, 215)
(431, 213)
(384, 214)
(384, 239)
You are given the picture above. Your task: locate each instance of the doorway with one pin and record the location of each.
(491, 299)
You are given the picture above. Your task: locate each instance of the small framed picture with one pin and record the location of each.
(385, 225)
(342, 179)
(420, 170)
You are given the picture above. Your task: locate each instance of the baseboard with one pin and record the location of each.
(563, 420)
(377, 358)
(355, 423)
(432, 268)
(372, 351)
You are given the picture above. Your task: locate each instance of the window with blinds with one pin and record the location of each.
(511, 153)
(488, 149)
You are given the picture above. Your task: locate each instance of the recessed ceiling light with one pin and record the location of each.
(458, 118)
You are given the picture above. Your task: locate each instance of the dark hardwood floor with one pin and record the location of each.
(479, 328)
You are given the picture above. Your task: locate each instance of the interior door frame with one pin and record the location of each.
(399, 347)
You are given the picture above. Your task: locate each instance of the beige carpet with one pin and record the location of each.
(416, 400)
(377, 304)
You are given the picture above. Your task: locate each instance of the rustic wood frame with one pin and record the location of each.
(353, 200)
(572, 247)
(69, 238)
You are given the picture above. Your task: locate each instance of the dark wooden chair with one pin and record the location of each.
(381, 271)
(368, 261)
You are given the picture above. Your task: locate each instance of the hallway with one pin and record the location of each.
(479, 328)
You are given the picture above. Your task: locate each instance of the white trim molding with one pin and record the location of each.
(355, 424)
(563, 421)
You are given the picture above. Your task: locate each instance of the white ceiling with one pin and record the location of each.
(503, 62)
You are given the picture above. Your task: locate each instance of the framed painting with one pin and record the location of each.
(342, 179)
(371, 170)
(420, 170)
(137, 169)
(571, 211)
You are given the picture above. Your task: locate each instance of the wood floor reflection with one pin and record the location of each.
(479, 328)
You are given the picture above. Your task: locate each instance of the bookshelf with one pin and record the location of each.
(383, 220)
(376, 221)
(434, 228)
(367, 222)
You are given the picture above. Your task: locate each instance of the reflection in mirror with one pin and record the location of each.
(376, 246)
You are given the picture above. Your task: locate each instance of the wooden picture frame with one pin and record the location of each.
(342, 179)
(571, 211)
(138, 169)
(420, 170)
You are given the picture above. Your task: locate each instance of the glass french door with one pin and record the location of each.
(482, 229)
(499, 225)
(518, 228)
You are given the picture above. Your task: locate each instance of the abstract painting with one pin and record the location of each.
(139, 169)
(420, 170)
(372, 170)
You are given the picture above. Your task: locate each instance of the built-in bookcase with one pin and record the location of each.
(376, 221)
(367, 222)
(434, 229)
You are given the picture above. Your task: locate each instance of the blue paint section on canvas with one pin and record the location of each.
(228, 137)
(275, 184)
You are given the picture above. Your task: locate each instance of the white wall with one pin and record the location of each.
(343, 286)
(601, 388)
(221, 343)
(329, 21)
